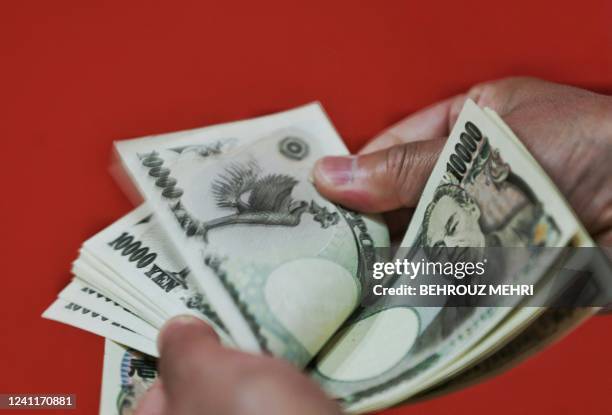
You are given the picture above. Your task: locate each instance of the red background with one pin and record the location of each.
(76, 75)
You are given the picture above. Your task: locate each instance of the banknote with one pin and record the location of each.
(283, 266)
(550, 326)
(126, 377)
(80, 293)
(527, 318)
(136, 252)
(91, 270)
(84, 318)
(483, 192)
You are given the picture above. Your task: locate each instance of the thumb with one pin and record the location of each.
(381, 181)
(189, 355)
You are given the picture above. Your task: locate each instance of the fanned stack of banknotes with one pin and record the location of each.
(232, 230)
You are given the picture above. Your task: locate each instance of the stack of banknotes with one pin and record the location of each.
(232, 230)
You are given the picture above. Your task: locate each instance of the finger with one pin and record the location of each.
(426, 124)
(181, 329)
(153, 402)
(190, 354)
(397, 221)
(381, 181)
(200, 376)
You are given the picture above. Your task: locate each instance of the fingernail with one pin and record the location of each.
(181, 320)
(336, 170)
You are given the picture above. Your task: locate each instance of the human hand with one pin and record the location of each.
(568, 130)
(200, 377)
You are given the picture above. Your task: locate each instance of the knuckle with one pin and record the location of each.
(398, 163)
(484, 93)
(499, 94)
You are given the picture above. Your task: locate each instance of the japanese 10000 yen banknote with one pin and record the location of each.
(282, 266)
(84, 317)
(483, 192)
(551, 325)
(79, 292)
(132, 255)
(135, 251)
(526, 328)
(126, 377)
